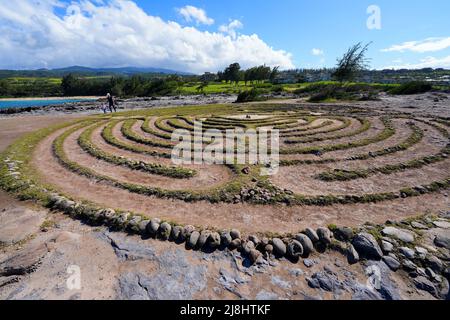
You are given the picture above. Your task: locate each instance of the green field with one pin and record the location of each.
(18, 87)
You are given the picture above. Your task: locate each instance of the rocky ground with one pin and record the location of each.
(42, 252)
(433, 103)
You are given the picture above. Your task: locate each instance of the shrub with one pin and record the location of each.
(322, 92)
(277, 89)
(413, 87)
(251, 95)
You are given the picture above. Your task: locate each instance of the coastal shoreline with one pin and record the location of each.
(52, 98)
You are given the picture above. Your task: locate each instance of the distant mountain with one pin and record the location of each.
(85, 71)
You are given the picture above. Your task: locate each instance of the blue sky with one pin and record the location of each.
(188, 34)
(298, 26)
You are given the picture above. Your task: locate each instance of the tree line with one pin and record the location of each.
(234, 74)
(137, 85)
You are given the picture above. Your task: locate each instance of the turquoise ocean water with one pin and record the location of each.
(38, 103)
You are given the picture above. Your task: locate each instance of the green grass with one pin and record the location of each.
(414, 87)
(85, 143)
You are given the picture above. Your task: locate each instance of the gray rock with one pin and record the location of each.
(265, 295)
(127, 249)
(214, 240)
(408, 265)
(424, 284)
(418, 225)
(296, 272)
(193, 239)
(295, 249)
(367, 246)
(279, 247)
(280, 283)
(421, 252)
(176, 233)
(421, 272)
(268, 248)
(312, 235)
(236, 243)
(204, 235)
(387, 247)
(444, 289)
(235, 234)
(388, 289)
(442, 241)
(407, 252)
(430, 273)
(254, 255)
(254, 239)
(324, 281)
(122, 220)
(442, 224)
(446, 273)
(343, 233)
(226, 238)
(143, 226)
(308, 263)
(23, 262)
(324, 235)
(313, 283)
(392, 263)
(18, 223)
(248, 246)
(434, 263)
(153, 226)
(186, 232)
(108, 215)
(391, 241)
(306, 243)
(403, 235)
(133, 224)
(164, 230)
(176, 279)
(264, 242)
(352, 255)
(4, 281)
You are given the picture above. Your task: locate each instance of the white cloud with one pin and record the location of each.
(191, 13)
(427, 45)
(428, 62)
(231, 28)
(317, 52)
(118, 33)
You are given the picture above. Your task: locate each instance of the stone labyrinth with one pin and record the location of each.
(339, 165)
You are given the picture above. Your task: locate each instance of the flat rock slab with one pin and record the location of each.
(442, 241)
(176, 280)
(442, 224)
(16, 224)
(403, 235)
(24, 261)
(48, 274)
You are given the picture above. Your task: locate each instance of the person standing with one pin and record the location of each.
(111, 103)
